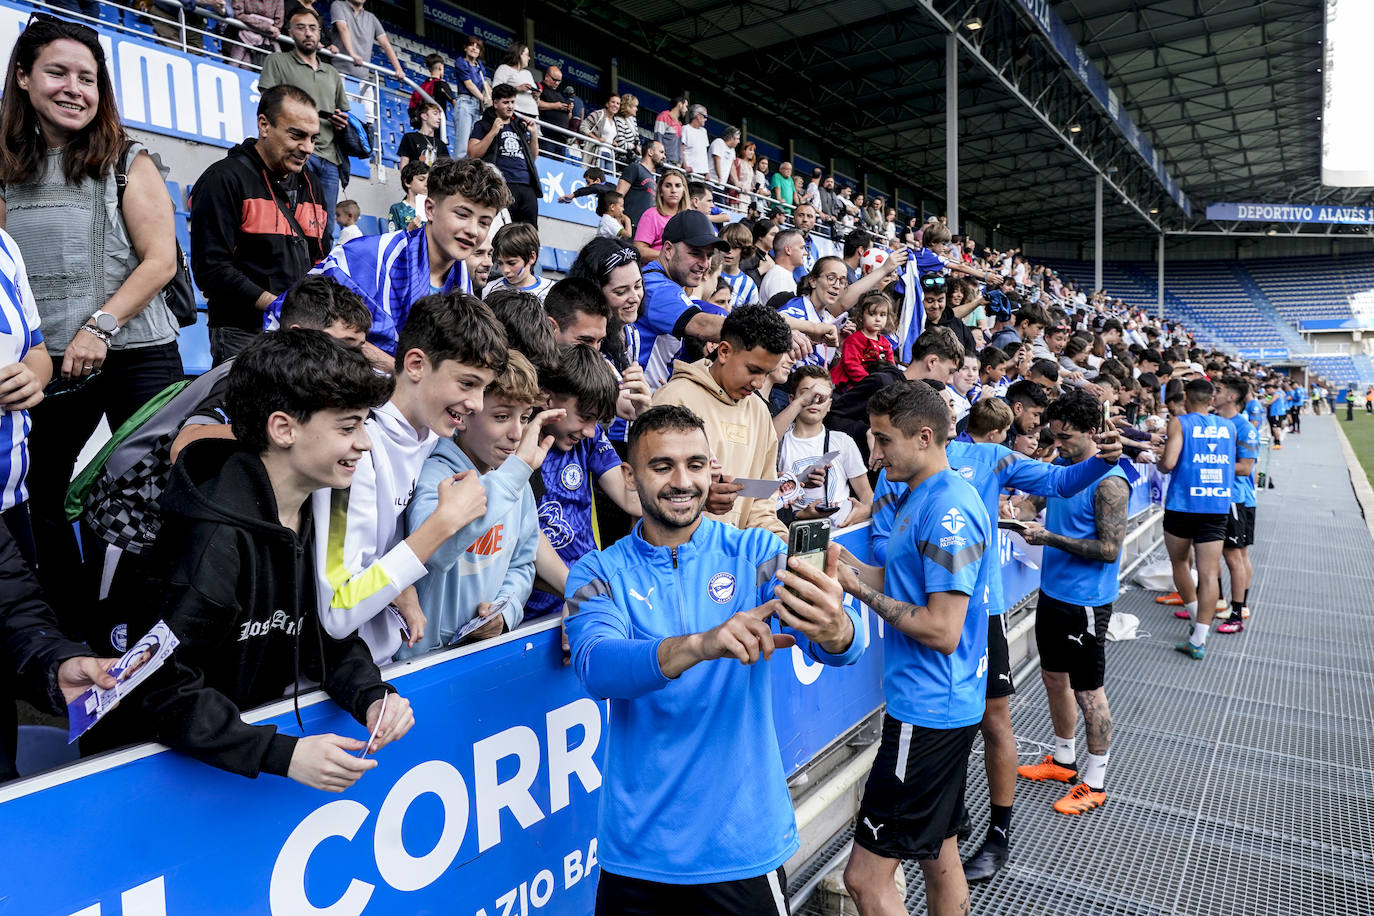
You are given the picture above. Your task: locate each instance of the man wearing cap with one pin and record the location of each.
(668, 314)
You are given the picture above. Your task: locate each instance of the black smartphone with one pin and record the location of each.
(808, 540)
(1011, 524)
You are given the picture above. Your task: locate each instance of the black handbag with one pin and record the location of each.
(179, 295)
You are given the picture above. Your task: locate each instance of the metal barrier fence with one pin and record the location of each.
(190, 39)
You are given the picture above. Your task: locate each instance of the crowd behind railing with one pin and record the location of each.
(415, 440)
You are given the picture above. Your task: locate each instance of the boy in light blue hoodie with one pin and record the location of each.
(487, 569)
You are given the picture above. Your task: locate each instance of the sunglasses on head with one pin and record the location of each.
(63, 27)
(933, 282)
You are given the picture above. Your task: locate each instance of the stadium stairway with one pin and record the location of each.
(1296, 344)
(1242, 784)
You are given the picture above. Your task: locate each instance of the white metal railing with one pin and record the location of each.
(190, 40)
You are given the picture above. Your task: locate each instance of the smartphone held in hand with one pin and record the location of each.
(808, 541)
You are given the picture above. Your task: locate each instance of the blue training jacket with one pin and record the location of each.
(990, 469)
(694, 787)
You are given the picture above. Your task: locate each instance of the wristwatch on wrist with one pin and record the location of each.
(106, 322)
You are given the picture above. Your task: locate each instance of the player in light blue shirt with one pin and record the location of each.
(1277, 410)
(670, 624)
(1082, 537)
(1240, 528)
(933, 591)
(1200, 459)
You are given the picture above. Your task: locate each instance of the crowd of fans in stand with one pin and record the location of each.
(413, 440)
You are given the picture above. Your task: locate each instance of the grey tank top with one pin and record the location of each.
(77, 253)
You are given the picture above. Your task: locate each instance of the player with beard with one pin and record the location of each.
(669, 623)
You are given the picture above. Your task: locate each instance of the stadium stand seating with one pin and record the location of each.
(1227, 304)
(1341, 369)
(1252, 304)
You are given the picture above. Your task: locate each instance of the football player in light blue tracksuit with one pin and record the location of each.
(991, 469)
(668, 624)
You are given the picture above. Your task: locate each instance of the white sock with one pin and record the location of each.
(1064, 752)
(1200, 634)
(1191, 608)
(1095, 771)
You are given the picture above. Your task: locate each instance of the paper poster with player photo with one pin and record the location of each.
(92, 705)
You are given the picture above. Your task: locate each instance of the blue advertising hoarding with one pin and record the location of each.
(1062, 40)
(488, 806)
(557, 178)
(1263, 353)
(1291, 213)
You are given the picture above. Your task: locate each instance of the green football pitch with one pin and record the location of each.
(1360, 432)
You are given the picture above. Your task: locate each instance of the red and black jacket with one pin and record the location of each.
(243, 244)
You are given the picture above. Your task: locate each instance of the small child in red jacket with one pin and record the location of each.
(867, 345)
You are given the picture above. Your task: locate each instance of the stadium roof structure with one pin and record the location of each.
(1224, 93)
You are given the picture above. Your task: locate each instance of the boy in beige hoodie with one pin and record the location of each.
(722, 391)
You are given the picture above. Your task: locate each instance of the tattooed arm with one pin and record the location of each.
(937, 624)
(1109, 510)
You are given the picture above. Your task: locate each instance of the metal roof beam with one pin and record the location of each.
(1005, 70)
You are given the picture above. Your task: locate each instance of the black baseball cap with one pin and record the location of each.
(691, 227)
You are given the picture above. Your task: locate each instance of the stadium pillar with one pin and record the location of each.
(615, 76)
(952, 131)
(1097, 237)
(1160, 302)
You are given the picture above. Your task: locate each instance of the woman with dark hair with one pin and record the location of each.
(98, 257)
(515, 71)
(600, 125)
(614, 266)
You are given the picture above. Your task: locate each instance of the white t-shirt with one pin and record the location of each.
(609, 227)
(794, 453)
(777, 280)
(524, 101)
(540, 287)
(348, 234)
(726, 155)
(961, 404)
(694, 144)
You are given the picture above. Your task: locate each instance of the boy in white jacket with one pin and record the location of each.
(487, 569)
(449, 350)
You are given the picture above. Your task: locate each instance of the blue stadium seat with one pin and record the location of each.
(194, 344)
(178, 198)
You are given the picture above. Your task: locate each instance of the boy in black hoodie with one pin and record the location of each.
(234, 567)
